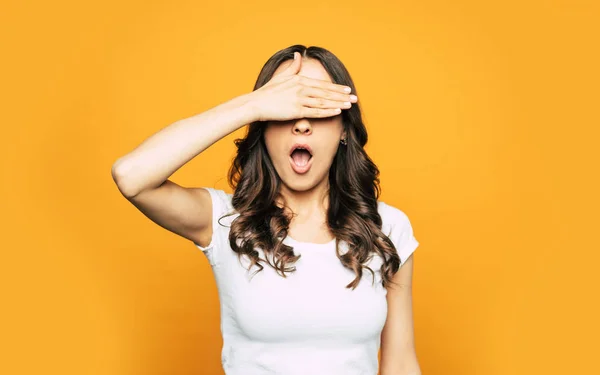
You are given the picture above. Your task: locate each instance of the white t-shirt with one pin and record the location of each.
(309, 322)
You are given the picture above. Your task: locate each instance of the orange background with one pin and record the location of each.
(483, 119)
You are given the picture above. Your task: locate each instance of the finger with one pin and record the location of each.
(294, 67)
(289, 71)
(317, 92)
(324, 103)
(320, 112)
(326, 85)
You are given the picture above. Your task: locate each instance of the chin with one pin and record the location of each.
(302, 186)
(301, 183)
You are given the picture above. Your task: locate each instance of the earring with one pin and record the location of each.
(343, 141)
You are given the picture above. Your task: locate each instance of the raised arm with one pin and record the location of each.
(142, 175)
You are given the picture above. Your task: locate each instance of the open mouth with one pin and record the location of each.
(301, 158)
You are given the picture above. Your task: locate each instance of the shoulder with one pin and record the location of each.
(220, 198)
(221, 223)
(221, 206)
(397, 226)
(219, 194)
(392, 216)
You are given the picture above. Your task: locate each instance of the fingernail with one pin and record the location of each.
(347, 89)
(353, 97)
(294, 55)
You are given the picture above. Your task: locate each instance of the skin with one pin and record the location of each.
(142, 177)
(398, 352)
(306, 194)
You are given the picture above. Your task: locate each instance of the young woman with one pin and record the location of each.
(332, 264)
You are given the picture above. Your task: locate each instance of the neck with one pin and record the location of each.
(308, 204)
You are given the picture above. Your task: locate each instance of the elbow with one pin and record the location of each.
(120, 175)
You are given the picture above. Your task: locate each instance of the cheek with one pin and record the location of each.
(332, 134)
(331, 151)
(328, 127)
(273, 136)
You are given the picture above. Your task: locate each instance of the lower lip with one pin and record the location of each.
(303, 169)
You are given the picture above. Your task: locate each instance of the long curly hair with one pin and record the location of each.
(352, 214)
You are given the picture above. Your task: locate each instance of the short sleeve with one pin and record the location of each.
(221, 205)
(400, 231)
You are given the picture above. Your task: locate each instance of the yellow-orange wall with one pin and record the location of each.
(483, 119)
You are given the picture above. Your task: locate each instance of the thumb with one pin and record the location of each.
(294, 68)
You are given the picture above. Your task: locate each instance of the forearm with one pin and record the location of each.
(414, 370)
(163, 153)
(403, 362)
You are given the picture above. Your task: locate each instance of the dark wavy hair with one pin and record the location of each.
(352, 214)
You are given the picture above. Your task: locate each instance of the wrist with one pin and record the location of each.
(249, 108)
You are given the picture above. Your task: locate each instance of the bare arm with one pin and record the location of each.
(398, 355)
(142, 175)
(160, 155)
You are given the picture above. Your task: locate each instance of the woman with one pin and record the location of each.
(304, 215)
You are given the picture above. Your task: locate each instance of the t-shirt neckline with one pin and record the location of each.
(309, 244)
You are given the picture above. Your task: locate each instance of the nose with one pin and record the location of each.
(302, 126)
